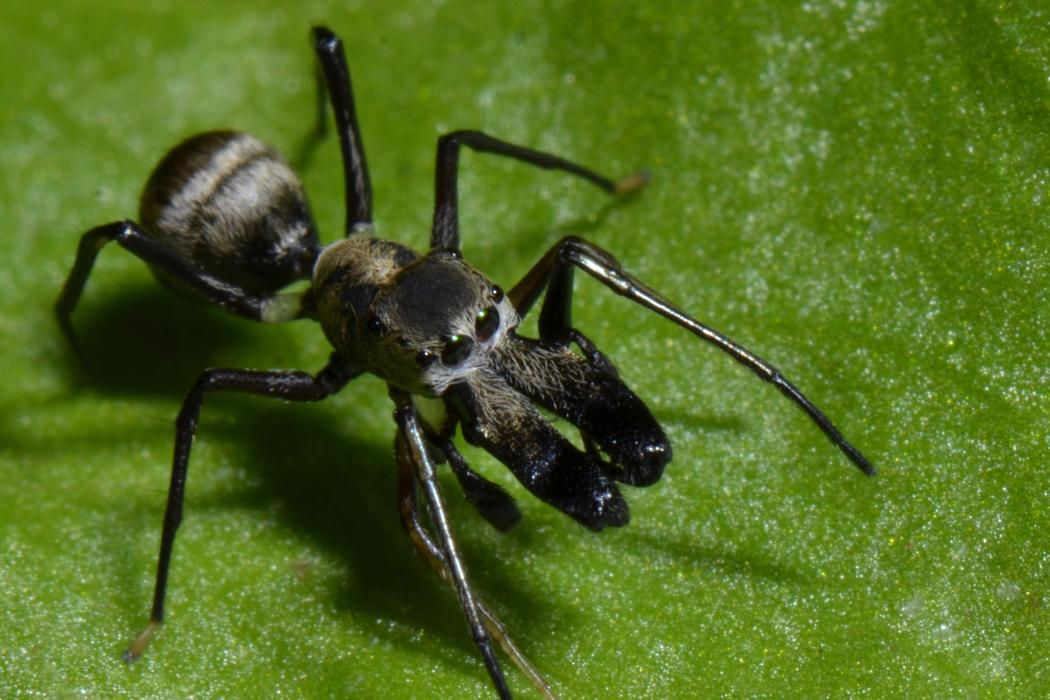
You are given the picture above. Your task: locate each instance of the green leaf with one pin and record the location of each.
(857, 191)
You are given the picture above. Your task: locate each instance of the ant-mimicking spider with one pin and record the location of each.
(224, 218)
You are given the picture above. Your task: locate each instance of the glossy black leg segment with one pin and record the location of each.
(411, 430)
(435, 558)
(601, 265)
(445, 232)
(277, 307)
(289, 385)
(329, 50)
(491, 501)
(556, 313)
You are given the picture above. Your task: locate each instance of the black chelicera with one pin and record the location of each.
(224, 218)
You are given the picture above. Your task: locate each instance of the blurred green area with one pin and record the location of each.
(855, 190)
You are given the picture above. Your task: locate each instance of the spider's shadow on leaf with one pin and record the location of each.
(336, 484)
(142, 340)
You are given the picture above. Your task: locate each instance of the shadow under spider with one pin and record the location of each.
(335, 483)
(144, 340)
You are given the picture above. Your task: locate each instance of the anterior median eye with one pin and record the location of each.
(486, 323)
(457, 349)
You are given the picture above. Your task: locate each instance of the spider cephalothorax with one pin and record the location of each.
(420, 322)
(224, 218)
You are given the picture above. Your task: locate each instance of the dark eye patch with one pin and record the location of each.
(457, 349)
(425, 358)
(486, 323)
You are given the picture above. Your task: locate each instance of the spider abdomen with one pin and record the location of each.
(233, 206)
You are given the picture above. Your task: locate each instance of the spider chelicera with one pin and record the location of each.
(224, 218)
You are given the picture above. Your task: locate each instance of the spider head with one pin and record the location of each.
(433, 322)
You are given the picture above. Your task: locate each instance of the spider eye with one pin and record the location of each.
(374, 324)
(496, 293)
(457, 349)
(486, 323)
(425, 358)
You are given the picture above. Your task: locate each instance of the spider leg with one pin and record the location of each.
(435, 558)
(445, 232)
(160, 256)
(495, 505)
(413, 449)
(330, 53)
(286, 385)
(554, 270)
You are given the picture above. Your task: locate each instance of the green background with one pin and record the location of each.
(855, 190)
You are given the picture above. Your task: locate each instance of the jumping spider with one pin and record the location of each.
(224, 218)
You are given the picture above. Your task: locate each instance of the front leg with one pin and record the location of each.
(289, 385)
(413, 449)
(435, 558)
(554, 271)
